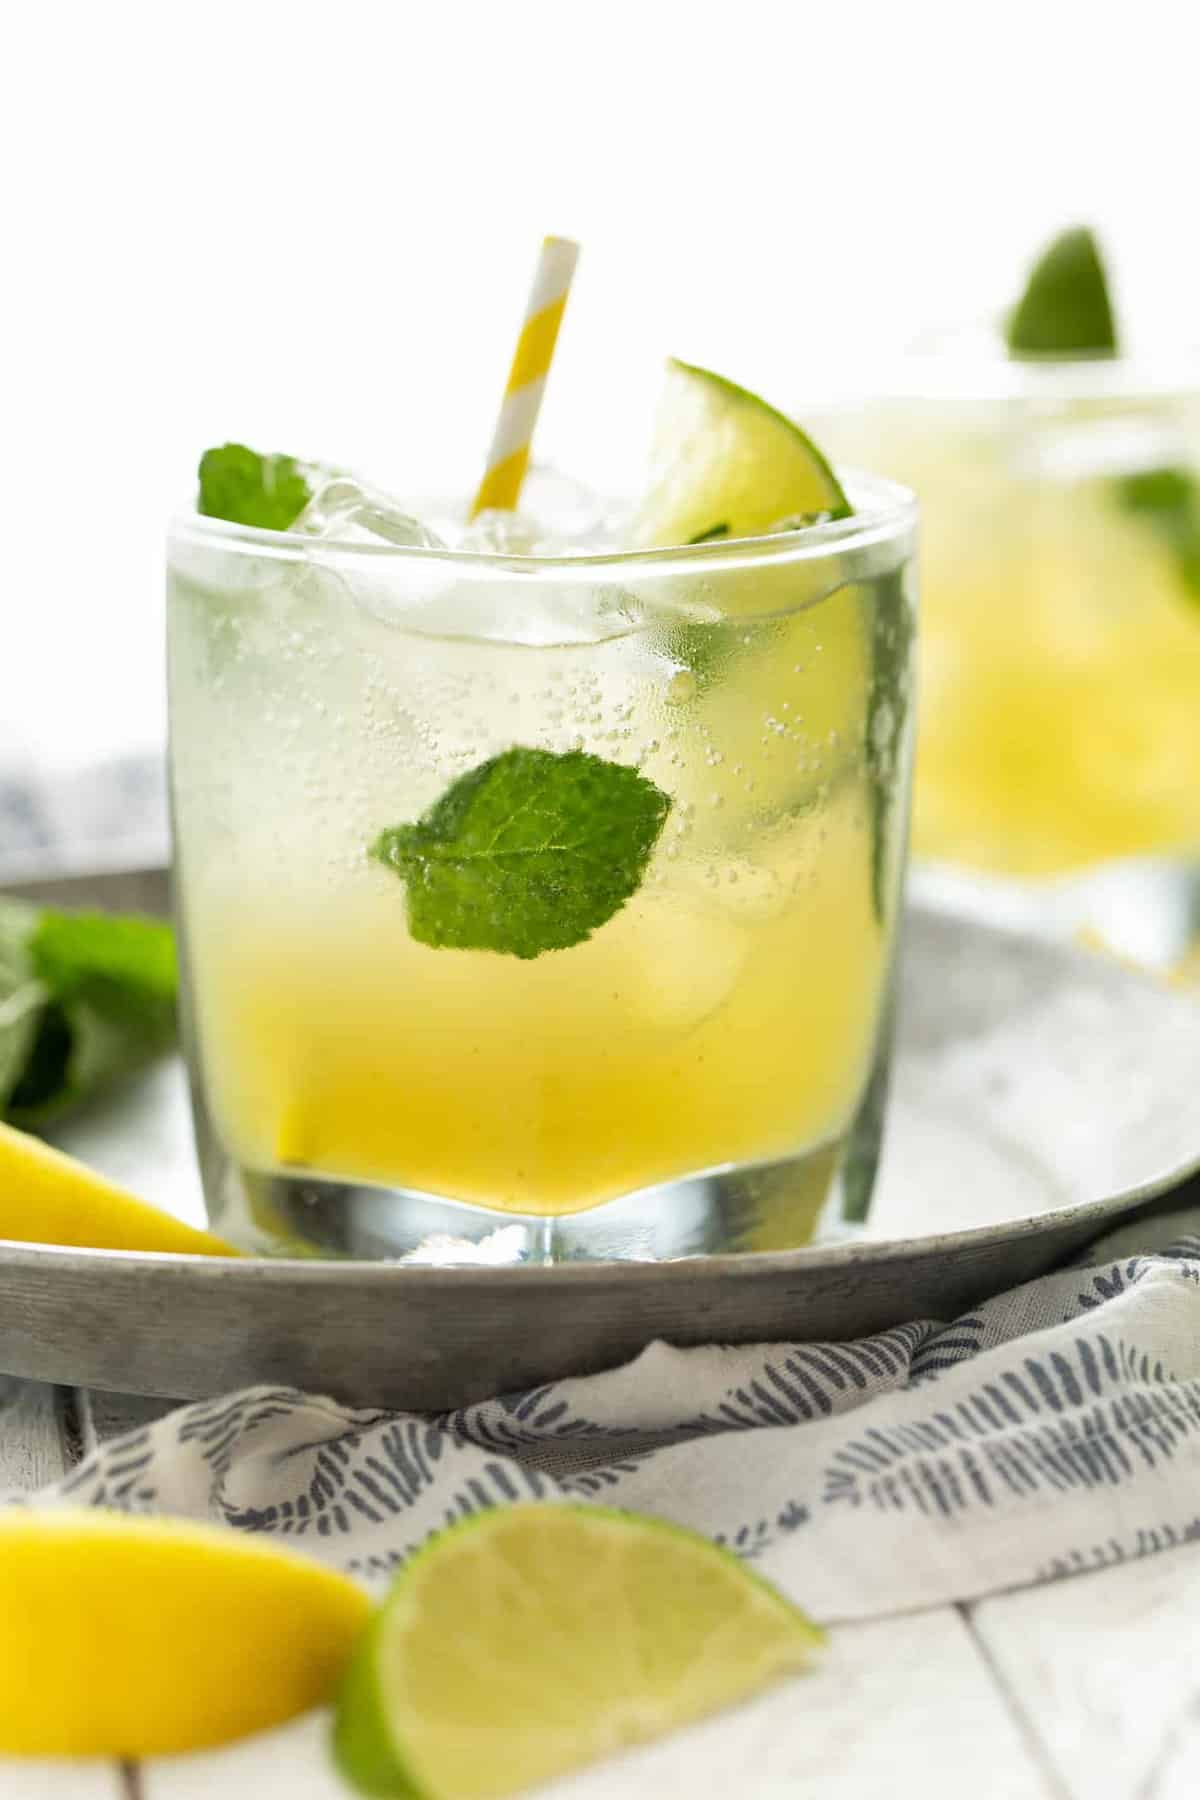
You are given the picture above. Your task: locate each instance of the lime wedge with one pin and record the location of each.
(532, 1639)
(725, 464)
(1065, 309)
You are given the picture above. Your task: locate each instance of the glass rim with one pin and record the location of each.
(888, 511)
(972, 367)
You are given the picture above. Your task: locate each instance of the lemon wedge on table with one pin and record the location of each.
(49, 1198)
(532, 1639)
(129, 1636)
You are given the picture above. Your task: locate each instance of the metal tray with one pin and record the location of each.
(1040, 1093)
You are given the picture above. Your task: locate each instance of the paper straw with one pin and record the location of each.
(508, 457)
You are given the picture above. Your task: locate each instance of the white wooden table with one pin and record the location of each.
(1088, 1689)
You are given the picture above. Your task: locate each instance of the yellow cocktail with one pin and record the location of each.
(1060, 662)
(703, 1026)
(550, 888)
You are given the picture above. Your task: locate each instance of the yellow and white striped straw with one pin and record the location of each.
(508, 457)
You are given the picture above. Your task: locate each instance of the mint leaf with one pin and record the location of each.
(44, 1089)
(1168, 501)
(248, 489)
(531, 851)
(84, 999)
(1065, 309)
(121, 961)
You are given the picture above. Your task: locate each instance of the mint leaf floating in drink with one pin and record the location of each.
(1168, 501)
(531, 851)
(1065, 309)
(238, 484)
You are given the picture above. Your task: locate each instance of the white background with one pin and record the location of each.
(311, 226)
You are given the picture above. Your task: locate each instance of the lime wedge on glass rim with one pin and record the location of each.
(1065, 309)
(724, 464)
(531, 1639)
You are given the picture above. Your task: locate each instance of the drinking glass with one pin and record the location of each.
(705, 1070)
(1058, 765)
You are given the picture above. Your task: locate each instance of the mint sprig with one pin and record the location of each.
(531, 851)
(84, 999)
(238, 484)
(1065, 309)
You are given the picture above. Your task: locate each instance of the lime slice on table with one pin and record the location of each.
(532, 1639)
(725, 464)
(1065, 309)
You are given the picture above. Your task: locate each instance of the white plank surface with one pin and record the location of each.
(1176, 1775)
(900, 1706)
(22, 1779)
(293, 1762)
(1105, 1669)
(32, 1450)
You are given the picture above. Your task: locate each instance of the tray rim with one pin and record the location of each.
(742, 1266)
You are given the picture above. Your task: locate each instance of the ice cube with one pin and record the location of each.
(501, 533)
(752, 893)
(688, 964)
(557, 517)
(568, 516)
(434, 598)
(350, 513)
(346, 512)
(542, 614)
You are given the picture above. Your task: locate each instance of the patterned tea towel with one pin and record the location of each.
(1054, 1429)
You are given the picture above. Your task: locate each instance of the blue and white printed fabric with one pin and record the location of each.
(1054, 1429)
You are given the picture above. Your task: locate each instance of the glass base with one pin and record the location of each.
(779, 1205)
(1145, 908)
(816, 1195)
